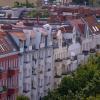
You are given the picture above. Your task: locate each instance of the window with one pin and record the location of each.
(42, 39)
(96, 28)
(25, 86)
(41, 54)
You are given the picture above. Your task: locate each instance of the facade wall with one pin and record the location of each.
(9, 77)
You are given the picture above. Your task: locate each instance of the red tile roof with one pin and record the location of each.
(93, 24)
(19, 35)
(66, 29)
(97, 11)
(79, 24)
(5, 46)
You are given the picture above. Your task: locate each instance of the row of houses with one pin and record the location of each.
(63, 13)
(34, 59)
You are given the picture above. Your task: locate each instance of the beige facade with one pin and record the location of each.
(60, 54)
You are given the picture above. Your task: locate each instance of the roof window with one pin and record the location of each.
(94, 28)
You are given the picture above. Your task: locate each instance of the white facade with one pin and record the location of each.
(60, 55)
(45, 60)
(42, 64)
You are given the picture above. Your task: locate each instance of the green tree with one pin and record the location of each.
(83, 84)
(21, 97)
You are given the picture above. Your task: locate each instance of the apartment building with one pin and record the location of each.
(42, 69)
(35, 58)
(45, 53)
(60, 56)
(9, 68)
(66, 50)
(23, 39)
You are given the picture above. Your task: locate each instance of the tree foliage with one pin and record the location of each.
(21, 97)
(26, 4)
(83, 84)
(38, 13)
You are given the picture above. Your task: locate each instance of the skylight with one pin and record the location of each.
(1, 47)
(96, 28)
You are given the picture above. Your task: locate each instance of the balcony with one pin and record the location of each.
(55, 45)
(85, 52)
(3, 92)
(58, 60)
(40, 71)
(13, 72)
(50, 43)
(92, 50)
(57, 76)
(97, 46)
(34, 72)
(26, 58)
(21, 50)
(28, 48)
(13, 90)
(73, 58)
(26, 91)
(42, 45)
(3, 74)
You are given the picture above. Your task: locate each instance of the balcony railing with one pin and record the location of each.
(26, 91)
(40, 71)
(42, 45)
(3, 92)
(97, 46)
(12, 72)
(3, 74)
(57, 76)
(26, 59)
(13, 90)
(34, 72)
(85, 52)
(92, 50)
(58, 60)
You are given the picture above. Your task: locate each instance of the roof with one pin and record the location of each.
(5, 44)
(66, 29)
(19, 35)
(97, 11)
(93, 24)
(79, 24)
